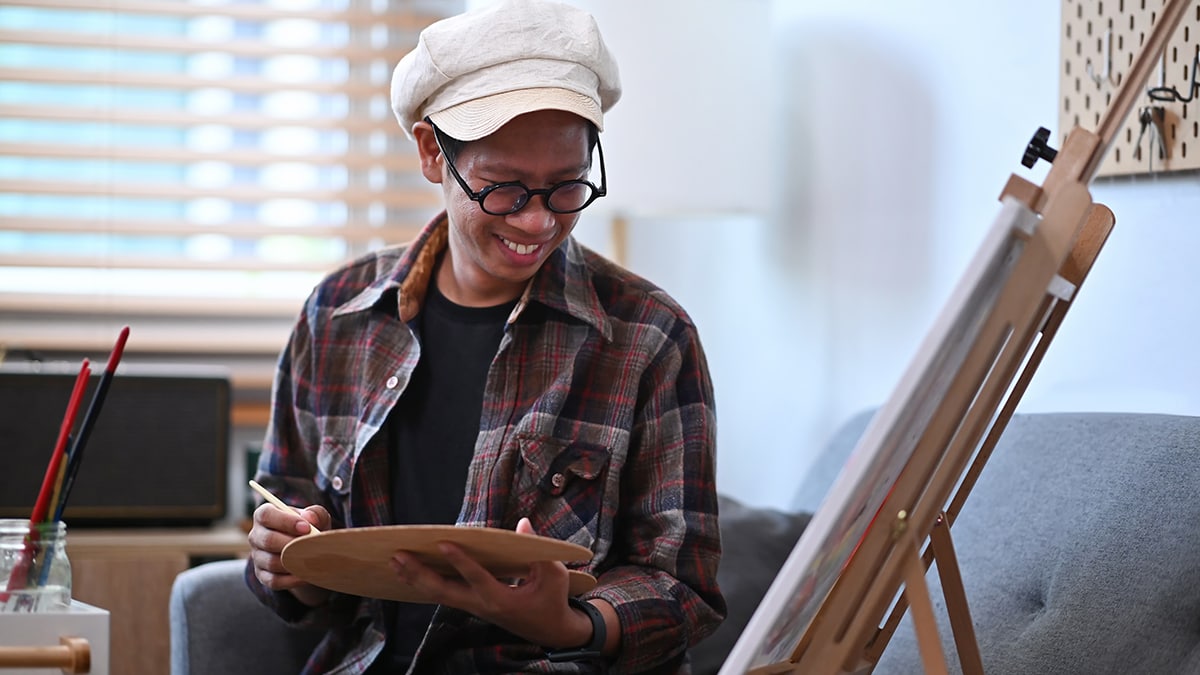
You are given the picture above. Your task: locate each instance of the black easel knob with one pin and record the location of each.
(1037, 149)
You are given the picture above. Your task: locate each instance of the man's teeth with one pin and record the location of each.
(522, 249)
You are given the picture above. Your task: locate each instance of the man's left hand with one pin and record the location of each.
(535, 609)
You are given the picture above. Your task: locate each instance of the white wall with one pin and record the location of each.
(951, 92)
(810, 178)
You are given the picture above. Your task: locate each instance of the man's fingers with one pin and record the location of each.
(266, 539)
(272, 574)
(274, 518)
(444, 591)
(268, 562)
(545, 569)
(318, 516)
(471, 571)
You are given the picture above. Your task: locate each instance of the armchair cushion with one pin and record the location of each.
(218, 627)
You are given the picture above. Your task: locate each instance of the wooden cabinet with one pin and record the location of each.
(130, 572)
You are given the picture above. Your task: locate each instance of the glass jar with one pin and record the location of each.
(35, 573)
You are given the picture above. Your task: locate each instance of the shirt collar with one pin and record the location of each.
(407, 275)
(564, 282)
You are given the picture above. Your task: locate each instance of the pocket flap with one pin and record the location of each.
(551, 459)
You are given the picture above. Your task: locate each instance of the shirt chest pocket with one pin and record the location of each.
(561, 486)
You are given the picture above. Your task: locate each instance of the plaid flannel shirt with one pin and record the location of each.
(597, 424)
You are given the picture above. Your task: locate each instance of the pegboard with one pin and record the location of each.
(1100, 40)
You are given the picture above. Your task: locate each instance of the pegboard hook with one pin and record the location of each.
(1108, 59)
(1164, 93)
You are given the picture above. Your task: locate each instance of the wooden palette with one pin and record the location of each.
(357, 560)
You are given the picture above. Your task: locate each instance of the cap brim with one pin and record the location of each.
(481, 117)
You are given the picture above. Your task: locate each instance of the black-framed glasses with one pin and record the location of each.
(502, 199)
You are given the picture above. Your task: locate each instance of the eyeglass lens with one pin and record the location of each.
(562, 198)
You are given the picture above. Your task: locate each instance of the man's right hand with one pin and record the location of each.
(273, 529)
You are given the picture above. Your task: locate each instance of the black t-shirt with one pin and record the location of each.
(432, 433)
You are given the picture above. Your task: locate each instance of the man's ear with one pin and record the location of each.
(428, 151)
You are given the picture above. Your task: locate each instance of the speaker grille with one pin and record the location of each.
(156, 455)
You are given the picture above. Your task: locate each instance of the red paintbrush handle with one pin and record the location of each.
(20, 573)
(43, 501)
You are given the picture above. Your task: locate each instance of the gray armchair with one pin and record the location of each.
(218, 627)
(1079, 550)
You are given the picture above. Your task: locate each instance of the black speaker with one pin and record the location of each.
(157, 453)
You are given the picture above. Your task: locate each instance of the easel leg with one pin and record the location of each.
(917, 592)
(956, 598)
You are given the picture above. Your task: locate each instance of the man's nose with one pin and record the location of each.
(534, 217)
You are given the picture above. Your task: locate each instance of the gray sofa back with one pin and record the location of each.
(1080, 549)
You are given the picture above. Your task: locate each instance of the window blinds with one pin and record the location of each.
(193, 168)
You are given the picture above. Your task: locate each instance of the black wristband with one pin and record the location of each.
(593, 649)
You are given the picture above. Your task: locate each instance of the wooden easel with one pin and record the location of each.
(848, 634)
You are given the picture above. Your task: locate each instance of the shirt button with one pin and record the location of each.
(336, 482)
(557, 480)
(392, 382)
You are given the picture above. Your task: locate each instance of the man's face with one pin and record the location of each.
(491, 258)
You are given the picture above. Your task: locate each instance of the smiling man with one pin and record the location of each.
(495, 372)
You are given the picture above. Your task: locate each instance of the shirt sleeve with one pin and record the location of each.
(664, 587)
(287, 465)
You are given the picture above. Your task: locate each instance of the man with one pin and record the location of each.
(496, 373)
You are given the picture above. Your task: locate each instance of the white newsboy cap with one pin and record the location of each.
(473, 72)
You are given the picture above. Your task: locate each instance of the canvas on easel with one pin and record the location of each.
(838, 598)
